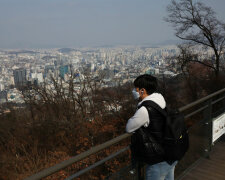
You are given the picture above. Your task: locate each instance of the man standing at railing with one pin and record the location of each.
(150, 120)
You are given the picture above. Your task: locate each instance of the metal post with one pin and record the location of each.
(208, 126)
(224, 103)
(223, 137)
(140, 171)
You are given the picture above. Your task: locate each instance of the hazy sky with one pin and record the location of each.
(75, 23)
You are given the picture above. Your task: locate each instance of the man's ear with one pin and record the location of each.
(142, 90)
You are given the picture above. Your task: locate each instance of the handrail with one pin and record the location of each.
(201, 100)
(66, 163)
(98, 163)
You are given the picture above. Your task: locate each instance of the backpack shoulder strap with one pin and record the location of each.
(155, 106)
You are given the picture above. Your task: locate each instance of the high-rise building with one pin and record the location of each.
(63, 70)
(1, 86)
(20, 77)
(3, 96)
(37, 76)
(49, 69)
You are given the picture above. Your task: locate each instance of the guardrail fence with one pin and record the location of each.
(199, 116)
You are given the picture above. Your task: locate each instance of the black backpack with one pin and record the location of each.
(176, 138)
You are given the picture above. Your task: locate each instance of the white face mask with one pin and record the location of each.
(135, 94)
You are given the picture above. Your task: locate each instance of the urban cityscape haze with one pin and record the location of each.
(120, 39)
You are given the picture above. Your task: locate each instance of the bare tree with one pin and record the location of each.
(197, 24)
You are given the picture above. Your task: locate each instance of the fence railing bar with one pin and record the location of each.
(220, 99)
(97, 163)
(195, 112)
(201, 100)
(66, 163)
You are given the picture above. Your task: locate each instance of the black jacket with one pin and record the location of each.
(155, 130)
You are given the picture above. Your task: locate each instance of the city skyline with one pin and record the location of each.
(87, 23)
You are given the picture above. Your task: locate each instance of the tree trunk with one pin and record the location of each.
(217, 65)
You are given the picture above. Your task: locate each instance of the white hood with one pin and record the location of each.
(141, 117)
(157, 98)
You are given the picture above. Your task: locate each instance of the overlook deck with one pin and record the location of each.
(212, 168)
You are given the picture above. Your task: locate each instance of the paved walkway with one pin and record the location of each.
(212, 168)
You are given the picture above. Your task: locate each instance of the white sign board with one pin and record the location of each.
(218, 127)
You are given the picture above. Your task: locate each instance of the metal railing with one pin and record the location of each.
(206, 104)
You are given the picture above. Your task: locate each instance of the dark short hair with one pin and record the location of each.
(146, 81)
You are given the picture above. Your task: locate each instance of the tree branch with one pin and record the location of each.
(195, 40)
